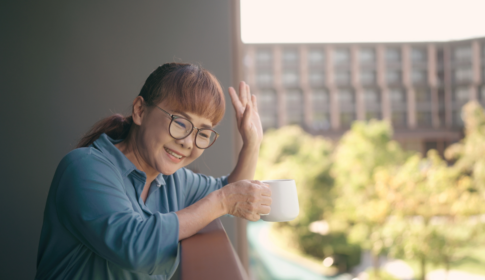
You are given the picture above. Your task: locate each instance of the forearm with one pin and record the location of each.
(246, 164)
(198, 215)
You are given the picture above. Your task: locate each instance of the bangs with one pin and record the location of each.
(194, 90)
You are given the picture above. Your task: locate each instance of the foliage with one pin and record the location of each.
(292, 153)
(380, 198)
(432, 211)
(470, 152)
(362, 205)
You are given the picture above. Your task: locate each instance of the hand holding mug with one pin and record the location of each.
(247, 199)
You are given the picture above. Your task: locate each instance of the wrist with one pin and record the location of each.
(251, 147)
(218, 198)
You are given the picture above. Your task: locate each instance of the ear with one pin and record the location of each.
(139, 110)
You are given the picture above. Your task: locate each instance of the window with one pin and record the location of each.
(422, 95)
(342, 77)
(346, 100)
(264, 78)
(461, 95)
(423, 118)
(393, 77)
(457, 118)
(367, 77)
(423, 106)
(397, 96)
(341, 56)
(290, 57)
(267, 108)
(441, 106)
(399, 118)
(264, 57)
(393, 55)
(317, 78)
(316, 57)
(464, 74)
(321, 112)
(294, 106)
(418, 76)
(371, 96)
(367, 56)
(463, 53)
(372, 102)
(398, 100)
(290, 77)
(418, 55)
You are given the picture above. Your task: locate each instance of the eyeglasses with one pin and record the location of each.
(181, 127)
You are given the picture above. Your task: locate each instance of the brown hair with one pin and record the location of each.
(186, 87)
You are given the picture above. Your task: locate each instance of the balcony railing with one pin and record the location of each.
(210, 255)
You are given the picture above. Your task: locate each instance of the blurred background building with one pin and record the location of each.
(419, 87)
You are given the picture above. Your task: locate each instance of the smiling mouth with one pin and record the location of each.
(173, 153)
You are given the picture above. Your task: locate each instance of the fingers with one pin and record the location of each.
(266, 200)
(248, 94)
(264, 209)
(243, 93)
(247, 116)
(248, 199)
(265, 190)
(255, 102)
(236, 103)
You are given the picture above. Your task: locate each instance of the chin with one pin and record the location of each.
(169, 170)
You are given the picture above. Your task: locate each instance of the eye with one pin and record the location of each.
(204, 135)
(180, 124)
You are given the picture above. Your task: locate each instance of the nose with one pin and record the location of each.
(188, 142)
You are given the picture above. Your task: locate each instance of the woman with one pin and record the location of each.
(119, 204)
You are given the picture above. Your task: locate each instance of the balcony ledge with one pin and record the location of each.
(209, 255)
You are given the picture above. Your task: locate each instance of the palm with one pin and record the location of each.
(247, 116)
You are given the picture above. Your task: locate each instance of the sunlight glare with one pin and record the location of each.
(324, 21)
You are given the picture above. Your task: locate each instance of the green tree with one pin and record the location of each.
(361, 205)
(291, 153)
(433, 211)
(469, 153)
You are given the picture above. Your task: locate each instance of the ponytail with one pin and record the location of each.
(115, 126)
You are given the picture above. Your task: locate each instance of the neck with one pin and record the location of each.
(129, 148)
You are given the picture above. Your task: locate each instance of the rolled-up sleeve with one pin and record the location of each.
(197, 186)
(92, 204)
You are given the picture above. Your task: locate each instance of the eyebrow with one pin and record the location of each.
(188, 117)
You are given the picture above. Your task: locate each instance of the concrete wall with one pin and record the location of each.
(66, 64)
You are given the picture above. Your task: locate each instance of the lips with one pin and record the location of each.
(174, 154)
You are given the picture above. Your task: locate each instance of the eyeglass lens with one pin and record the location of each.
(181, 128)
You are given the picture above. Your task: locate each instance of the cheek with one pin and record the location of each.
(196, 153)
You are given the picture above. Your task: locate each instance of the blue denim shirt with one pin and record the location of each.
(96, 226)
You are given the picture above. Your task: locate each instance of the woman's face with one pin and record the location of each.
(156, 146)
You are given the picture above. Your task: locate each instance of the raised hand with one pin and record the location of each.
(247, 116)
(247, 199)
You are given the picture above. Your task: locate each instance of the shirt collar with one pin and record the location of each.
(107, 146)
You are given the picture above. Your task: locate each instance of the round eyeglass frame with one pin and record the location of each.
(173, 117)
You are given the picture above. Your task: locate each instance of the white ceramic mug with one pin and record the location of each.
(284, 205)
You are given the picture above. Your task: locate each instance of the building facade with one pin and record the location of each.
(419, 87)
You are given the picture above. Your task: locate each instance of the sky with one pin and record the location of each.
(331, 21)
